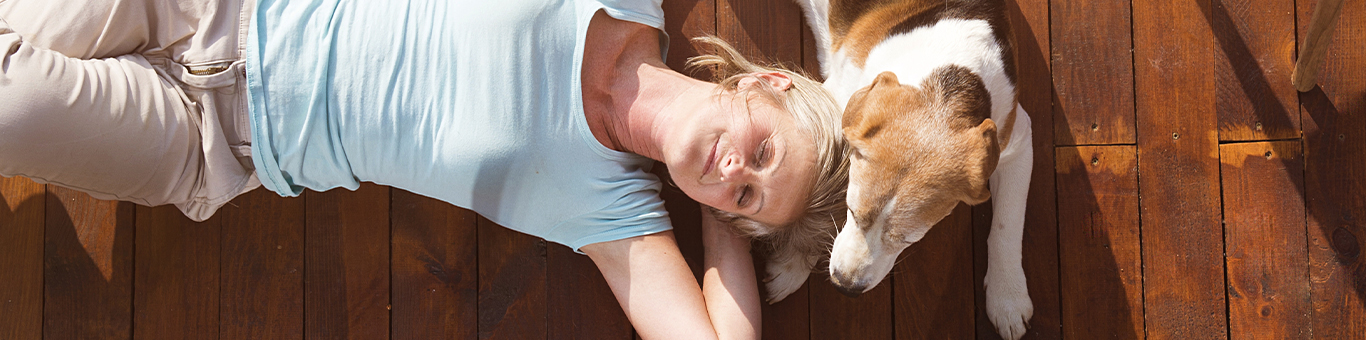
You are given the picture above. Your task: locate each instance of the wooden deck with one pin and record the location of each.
(1182, 190)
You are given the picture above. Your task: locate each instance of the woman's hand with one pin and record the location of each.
(661, 297)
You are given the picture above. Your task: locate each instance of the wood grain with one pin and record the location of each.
(932, 294)
(579, 303)
(346, 289)
(434, 269)
(1178, 171)
(1092, 59)
(21, 258)
(1335, 150)
(684, 20)
(88, 267)
(1099, 242)
(512, 283)
(835, 316)
(1255, 40)
(262, 281)
(176, 286)
(1266, 261)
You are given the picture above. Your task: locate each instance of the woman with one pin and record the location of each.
(544, 117)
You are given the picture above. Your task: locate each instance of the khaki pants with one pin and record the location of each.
(132, 100)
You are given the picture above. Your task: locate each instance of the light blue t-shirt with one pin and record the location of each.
(475, 103)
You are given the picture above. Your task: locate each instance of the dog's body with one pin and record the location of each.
(928, 89)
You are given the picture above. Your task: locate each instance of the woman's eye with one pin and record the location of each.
(744, 197)
(761, 155)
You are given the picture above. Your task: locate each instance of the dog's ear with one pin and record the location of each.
(855, 109)
(981, 163)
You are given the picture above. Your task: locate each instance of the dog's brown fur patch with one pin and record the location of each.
(856, 26)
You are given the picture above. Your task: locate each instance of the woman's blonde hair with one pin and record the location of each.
(815, 111)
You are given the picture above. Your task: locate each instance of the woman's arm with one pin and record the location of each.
(729, 284)
(654, 286)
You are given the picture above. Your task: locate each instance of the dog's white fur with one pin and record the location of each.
(912, 56)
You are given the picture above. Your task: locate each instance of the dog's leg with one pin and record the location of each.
(817, 14)
(1008, 305)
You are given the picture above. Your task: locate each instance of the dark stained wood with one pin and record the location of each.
(346, 289)
(1099, 242)
(88, 267)
(1266, 260)
(684, 20)
(1256, 41)
(932, 295)
(262, 281)
(512, 283)
(176, 293)
(579, 304)
(791, 317)
(1334, 120)
(835, 316)
(434, 269)
(1030, 22)
(21, 258)
(1178, 170)
(762, 30)
(1092, 58)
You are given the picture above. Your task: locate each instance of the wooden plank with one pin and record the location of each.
(1334, 121)
(1256, 41)
(1099, 240)
(1030, 20)
(932, 294)
(1092, 58)
(346, 289)
(434, 269)
(580, 305)
(175, 289)
(261, 285)
(1266, 261)
(512, 283)
(789, 318)
(763, 30)
(88, 267)
(1178, 171)
(684, 20)
(21, 248)
(835, 316)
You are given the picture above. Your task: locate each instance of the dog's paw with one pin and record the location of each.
(784, 277)
(1008, 304)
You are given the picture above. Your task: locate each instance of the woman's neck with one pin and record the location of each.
(645, 110)
(630, 96)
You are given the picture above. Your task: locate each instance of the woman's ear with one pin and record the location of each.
(777, 80)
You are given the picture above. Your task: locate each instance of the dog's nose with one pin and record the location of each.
(847, 284)
(852, 291)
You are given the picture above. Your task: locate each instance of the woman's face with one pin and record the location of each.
(747, 158)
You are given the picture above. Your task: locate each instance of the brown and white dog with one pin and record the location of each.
(928, 90)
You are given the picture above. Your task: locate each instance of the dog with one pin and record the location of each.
(928, 90)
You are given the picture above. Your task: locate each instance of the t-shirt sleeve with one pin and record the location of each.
(645, 12)
(636, 214)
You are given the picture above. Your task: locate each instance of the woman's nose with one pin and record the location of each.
(732, 168)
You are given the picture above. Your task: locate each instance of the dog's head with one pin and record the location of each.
(918, 150)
